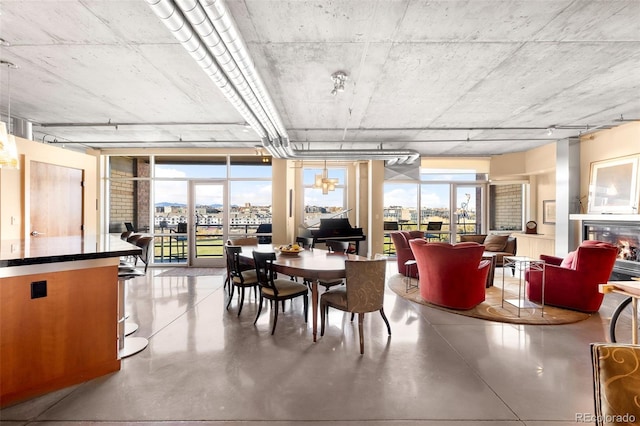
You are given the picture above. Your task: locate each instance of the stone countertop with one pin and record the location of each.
(39, 250)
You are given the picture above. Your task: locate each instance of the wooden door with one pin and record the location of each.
(56, 200)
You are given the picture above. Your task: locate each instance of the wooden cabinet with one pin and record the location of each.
(533, 245)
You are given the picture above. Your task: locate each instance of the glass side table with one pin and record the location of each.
(520, 264)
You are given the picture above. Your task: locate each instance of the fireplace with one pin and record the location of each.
(625, 235)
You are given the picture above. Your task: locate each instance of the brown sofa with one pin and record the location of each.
(501, 245)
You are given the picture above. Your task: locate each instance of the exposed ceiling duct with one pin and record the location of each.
(207, 31)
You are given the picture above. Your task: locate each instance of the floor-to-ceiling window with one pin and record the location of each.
(320, 203)
(191, 205)
(442, 204)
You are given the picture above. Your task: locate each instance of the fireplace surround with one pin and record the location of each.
(620, 230)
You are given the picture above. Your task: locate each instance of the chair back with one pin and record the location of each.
(305, 242)
(145, 243)
(182, 228)
(264, 270)
(615, 382)
(125, 235)
(243, 241)
(233, 260)
(338, 246)
(434, 226)
(365, 284)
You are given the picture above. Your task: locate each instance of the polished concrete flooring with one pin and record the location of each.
(205, 365)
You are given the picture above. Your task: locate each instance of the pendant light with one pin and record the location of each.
(8, 147)
(323, 182)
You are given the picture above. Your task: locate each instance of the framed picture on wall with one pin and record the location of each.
(549, 212)
(613, 186)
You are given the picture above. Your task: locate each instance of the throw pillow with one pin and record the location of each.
(495, 242)
(567, 262)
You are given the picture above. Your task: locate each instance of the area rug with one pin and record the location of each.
(492, 309)
(192, 272)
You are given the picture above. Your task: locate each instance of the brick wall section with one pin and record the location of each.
(143, 194)
(122, 194)
(506, 207)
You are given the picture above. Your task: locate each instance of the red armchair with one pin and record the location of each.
(451, 275)
(572, 282)
(403, 251)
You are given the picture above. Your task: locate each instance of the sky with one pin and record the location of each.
(259, 192)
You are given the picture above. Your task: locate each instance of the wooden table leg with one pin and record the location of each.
(314, 307)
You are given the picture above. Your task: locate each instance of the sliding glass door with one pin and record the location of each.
(206, 232)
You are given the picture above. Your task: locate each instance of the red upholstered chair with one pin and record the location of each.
(403, 251)
(451, 275)
(572, 282)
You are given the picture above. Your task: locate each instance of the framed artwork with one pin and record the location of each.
(549, 212)
(613, 186)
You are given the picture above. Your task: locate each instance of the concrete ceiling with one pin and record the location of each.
(444, 78)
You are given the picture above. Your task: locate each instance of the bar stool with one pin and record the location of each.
(127, 345)
(408, 265)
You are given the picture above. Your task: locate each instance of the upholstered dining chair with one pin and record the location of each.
(305, 242)
(337, 246)
(238, 277)
(363, 292)
(616, 383)
(276, 289)
(243, 241)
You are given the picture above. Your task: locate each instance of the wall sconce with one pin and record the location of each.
(323, 182)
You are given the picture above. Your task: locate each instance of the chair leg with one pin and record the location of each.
(230, 295)
(306, 308)
(324, 309)
(361, 331)
(275, 318)
(241, 300)
(259, 309)
(384, 317)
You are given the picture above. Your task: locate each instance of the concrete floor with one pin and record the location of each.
(206, 365)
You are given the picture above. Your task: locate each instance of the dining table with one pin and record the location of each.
(311, 264)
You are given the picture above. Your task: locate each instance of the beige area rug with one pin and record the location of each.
(192, 272)
(491, 309)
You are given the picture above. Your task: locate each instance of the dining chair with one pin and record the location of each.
(146, 244)
(276, 289)
(363, 292)
(239, 277)
(337, 246)
(305, 242)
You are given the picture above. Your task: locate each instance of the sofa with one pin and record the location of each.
(501, 245)
(573, 282)
(451, 275)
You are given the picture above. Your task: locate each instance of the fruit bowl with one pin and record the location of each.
(290, 250)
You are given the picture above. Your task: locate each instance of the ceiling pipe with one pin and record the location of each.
(209, 36)
(200, 26)
(182, 31)
(227, 29)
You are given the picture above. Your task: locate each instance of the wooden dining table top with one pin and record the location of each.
(310, 263)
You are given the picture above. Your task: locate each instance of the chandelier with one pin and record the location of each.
(323, 181)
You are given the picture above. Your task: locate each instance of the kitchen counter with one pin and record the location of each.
(39, 250)
(59, 312)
